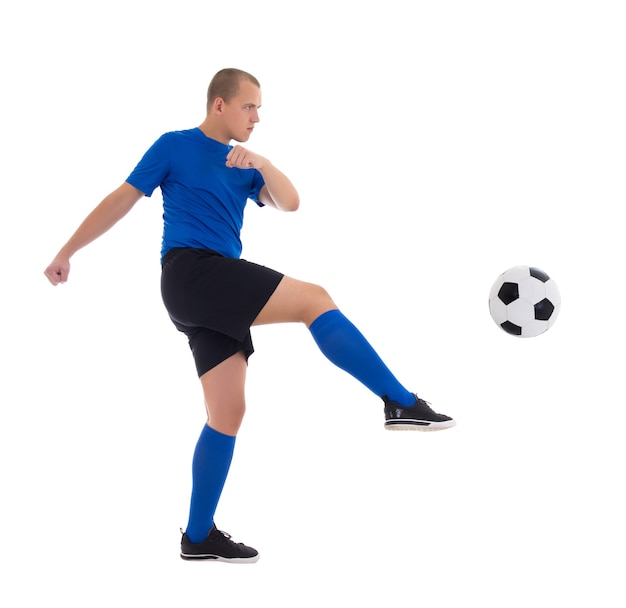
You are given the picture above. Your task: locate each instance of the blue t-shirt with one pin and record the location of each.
(203, 199)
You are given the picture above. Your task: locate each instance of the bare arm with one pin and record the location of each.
(112, 209)
(278, 191)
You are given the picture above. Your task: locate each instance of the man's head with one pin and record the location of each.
(233, 99)
(225, 84)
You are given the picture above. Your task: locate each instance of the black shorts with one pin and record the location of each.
(214, 300)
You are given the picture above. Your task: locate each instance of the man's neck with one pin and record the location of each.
(212, 130)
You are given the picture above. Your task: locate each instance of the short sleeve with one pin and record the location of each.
(257, 183)
(153, 168)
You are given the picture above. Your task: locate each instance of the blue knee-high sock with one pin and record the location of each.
(211, 461)
(344, 345)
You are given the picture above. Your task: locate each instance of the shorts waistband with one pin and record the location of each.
(172, 253)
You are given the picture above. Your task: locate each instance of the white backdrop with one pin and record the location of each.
(434, 145)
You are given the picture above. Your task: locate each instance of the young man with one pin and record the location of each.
(214, 297)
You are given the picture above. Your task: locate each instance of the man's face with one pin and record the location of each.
(241, 113)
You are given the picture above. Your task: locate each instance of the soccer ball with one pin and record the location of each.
(524, 301)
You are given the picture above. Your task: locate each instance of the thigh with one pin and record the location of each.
(224, 394)
(295, 301)
(203, 289)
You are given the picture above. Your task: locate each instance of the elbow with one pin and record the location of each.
(294, 203)
(288, 204)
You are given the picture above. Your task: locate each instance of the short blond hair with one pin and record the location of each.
(225, 84)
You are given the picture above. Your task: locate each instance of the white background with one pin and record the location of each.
(434, 145)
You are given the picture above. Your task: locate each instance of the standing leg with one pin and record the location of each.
(223, 388)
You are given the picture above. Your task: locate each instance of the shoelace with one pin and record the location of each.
(426, 405)
(225, 537)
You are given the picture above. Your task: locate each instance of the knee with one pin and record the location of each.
(319, 301)
(320, 295)
(226, 418)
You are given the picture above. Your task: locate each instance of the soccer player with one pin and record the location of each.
(215, 297)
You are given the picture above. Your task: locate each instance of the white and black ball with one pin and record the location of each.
(524, 301)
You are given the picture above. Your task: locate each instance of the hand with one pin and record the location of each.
(58, 271)
(242, 158)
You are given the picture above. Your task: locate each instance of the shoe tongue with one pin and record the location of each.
(216, 534)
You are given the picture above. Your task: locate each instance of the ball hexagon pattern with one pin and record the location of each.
(524, 301)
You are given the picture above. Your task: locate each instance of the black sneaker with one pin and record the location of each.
(416, 417)
(218, 546)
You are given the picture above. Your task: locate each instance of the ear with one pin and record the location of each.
(218, 105)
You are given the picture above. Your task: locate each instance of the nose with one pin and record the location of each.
(255, 116)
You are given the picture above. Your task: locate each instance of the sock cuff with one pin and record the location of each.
(325, 320)
(209, 431)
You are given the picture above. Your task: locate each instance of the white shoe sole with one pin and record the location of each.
(217, 558)
(402, 425)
